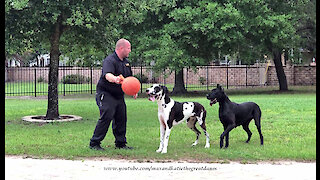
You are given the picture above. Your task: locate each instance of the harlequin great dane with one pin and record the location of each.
(171, 113)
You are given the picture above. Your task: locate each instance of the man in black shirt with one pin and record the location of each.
(110, 97)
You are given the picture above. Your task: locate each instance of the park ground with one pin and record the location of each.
(19, 167)
(60, 150)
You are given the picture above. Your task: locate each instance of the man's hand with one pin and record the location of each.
(118, 80)
(135, 96)
(114, 79)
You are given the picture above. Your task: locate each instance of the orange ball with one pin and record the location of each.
(130, 85)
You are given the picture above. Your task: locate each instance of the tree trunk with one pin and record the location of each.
(53, 111)
(179, 83)
(283, 85)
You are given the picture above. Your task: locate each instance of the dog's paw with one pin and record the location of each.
(194, 144)
(163, 152)
(159, 150)
(207, 146)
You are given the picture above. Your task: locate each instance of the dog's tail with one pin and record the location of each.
(204, 115)
(257, 115)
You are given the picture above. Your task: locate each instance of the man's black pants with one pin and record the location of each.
(110, 109)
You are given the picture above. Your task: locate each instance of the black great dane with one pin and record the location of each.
(232, 114)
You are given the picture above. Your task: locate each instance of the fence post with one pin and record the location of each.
(294, 77)
(164, 78)
(246, 75)
(227, 75)
(186, 78)
(207, 77)
(64, 83)
(141, 78)
(35, 82)
(91, 79)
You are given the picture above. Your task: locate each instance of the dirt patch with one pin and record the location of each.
(43, 119)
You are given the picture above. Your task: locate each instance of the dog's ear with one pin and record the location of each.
(220, 87)
(165, 89)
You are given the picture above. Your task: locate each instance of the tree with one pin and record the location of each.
(195, 32)
(271, 30)
(204, 29)
(304, 20)
(181, 34)
(171, 56)
(153, 43)
(32, 22)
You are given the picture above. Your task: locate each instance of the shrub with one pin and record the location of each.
(41, 79)
(142, 79)
(202, 80)
(75, 79)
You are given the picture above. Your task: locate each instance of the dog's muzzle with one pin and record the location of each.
(213, 101)
(151, 96)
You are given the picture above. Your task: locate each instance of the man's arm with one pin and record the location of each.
(113, 79)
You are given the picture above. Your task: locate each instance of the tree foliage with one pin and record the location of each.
(172, 33)
(189, 33)
(85, 25)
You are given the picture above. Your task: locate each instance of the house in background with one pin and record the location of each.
(42, 60)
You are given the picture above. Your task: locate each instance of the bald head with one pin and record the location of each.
(123, 48)
(122, 43)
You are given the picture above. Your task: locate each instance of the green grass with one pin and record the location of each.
(288, 126)
(40, 88)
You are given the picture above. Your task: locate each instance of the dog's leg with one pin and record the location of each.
(246, 128)
(162, 131)
(197, 133)
(227, 141)
(192, 125)
(166, 140)
(261, 137)
(259, 130)
(203, 126)
(257, 120)
(225, 132)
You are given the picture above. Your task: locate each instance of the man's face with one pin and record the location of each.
(126, 50)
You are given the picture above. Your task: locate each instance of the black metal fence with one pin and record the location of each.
(33, 81)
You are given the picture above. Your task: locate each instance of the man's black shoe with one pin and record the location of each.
(124, 147)
(96, 147)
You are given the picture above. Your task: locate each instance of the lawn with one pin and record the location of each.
(288, 127)
(41, 88)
